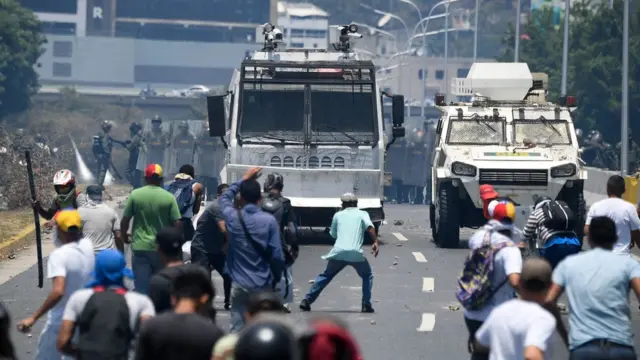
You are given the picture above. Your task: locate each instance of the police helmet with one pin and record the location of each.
(134, 127)
(579, 133)
(107, 125)
(20, 132)
(266, 340)
(596, 137)
(273, 181)
(156, 119)
(183, 125)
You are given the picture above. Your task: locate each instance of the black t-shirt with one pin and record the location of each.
(160, 286)
(172, 336)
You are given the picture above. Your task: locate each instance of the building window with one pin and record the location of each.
(297, 45)
(61, 69)
(316, 34)
(462, 73)
(439, 74)
(422, 76)
(297, 33)
(63, 49)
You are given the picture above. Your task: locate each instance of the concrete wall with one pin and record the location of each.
(104, 61)
(596, 185)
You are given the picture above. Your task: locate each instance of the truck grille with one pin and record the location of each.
(514, 177)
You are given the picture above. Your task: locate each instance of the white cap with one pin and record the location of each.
(348, 197)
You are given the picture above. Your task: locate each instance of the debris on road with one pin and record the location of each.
(398, 222)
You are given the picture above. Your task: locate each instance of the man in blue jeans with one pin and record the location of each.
(348, 228)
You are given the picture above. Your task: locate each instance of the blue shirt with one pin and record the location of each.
(244, 265)
(597, 283)
(348, 227)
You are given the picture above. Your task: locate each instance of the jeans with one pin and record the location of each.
(239, 297)
(473, 326)
(333, 268)
(213, 262)
(47, 344)
(144, 265)
(285, 285)
(554, 254)
(602, 350)
(187, 229)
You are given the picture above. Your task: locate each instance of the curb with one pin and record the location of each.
(22, 239)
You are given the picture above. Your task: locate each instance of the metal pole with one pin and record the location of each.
(624, 151)
(516, 50)
(610, 4)
(446, 53)
(565, 48)
(475, 33)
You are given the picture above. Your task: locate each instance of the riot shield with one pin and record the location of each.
(210, 156)
(155, 148)
(183, 145)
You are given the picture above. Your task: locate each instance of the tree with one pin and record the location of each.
(20, 47)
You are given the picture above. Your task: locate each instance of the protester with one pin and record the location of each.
(495, 241)
(168, 242)
(105, 315)
(7, 351)
(348, 227)
(274, 203)
(188, 194)
(67, 195)
(255, 260)
(69, 267)
(329, 339)
(522, 328)
(267, 340)
(258, 303)
(621, 212)
(597, 283)
(554, 245)
(210, 243)
(487, 195)
(187, 332)
(100, 222)
(151, 208)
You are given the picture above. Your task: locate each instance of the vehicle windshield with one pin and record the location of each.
(476, 132)
(542, 132)
(343, 112)
(272, 111)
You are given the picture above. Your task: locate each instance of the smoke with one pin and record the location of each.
(85, 175)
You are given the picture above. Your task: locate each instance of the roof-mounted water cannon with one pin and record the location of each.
(342, 35)
(272, 37)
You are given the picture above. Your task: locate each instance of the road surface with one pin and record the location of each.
(417, 316)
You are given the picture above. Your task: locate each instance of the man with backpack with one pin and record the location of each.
(274, 203)
(105, 315)
(188, 193)
(551, 224)
(491, 271)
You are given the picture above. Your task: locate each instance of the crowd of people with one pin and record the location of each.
(247, 234)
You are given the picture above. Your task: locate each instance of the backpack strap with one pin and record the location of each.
(496, 249)
(118, 290)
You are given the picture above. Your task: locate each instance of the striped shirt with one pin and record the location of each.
(535, 229)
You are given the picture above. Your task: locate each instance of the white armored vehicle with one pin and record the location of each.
(508, 136)
(315, 117)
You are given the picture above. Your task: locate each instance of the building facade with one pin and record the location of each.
(304, 25)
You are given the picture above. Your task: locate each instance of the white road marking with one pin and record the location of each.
(399, 236)
(419, 257)
(428, 284)
(428, 323)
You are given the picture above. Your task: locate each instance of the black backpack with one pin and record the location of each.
(558, 216)
(275, 205)
(104, 327)
(182, 191)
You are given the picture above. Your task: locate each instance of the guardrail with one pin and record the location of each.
(595, 186)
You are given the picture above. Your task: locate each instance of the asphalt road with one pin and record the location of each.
(417, 316)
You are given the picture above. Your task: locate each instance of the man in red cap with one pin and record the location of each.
(487, 194)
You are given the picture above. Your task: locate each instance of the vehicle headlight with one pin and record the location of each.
(462, 169)
(565, 170)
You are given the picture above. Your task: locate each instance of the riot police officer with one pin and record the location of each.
(133, 146)
(102, 147)
(156, 142)
(184, 145)
(633, 156)
(273, 202)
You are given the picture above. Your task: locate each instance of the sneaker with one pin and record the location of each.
(286, 308)
(366, 308)
(304, 305)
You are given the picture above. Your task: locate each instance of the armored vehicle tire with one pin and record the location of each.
(447, 217)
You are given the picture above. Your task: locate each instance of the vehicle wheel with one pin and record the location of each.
(447, 217)
(574, 197)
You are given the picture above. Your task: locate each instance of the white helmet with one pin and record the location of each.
(64, 182)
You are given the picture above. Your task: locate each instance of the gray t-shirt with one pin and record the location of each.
(139, 305)
(99, 221)
(208, 236)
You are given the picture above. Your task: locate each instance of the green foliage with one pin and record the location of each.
(20, 47)
(595, 62)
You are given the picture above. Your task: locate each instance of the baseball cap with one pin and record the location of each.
(153, 170)
(68, 220)
(169, 239)
(487, 192)
(348, 197)
(110, 269)
(94, 192)
(502, 210)
(536, 269)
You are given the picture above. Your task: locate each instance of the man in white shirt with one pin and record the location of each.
(521, 328)
(623, 214)
(69, 267)
(100, 223)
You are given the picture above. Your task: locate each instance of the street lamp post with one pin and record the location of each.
(475, 32)
(624, 143)
(516, 50)
(446, 52)
(565, 48)
(424, 53)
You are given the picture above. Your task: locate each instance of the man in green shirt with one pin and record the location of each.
(152, 208)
